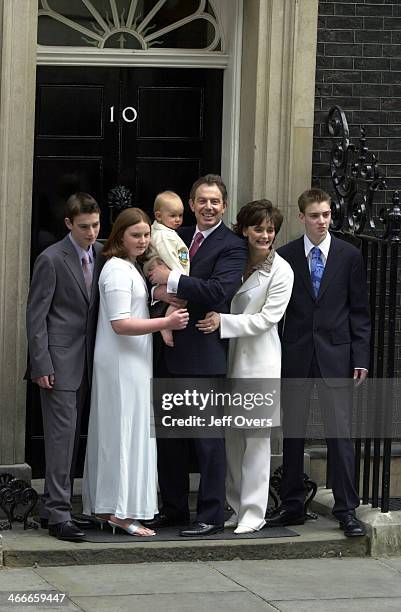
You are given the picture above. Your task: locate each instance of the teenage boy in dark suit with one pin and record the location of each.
(326, 340)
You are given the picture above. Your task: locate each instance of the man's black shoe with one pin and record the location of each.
(79, 521)
(162, 520)
(352, 527)
(66, 531)
(201, 529)
(84, 522)
(283, 518)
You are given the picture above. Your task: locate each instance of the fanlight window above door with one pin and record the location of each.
(129, 24)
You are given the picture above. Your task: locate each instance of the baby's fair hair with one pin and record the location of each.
(165, 197)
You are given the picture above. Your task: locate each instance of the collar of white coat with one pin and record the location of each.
(259, 271)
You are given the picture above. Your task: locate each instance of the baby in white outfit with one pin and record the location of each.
(166, 245)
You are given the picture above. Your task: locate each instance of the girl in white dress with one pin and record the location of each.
(254, 352)
(120, 477)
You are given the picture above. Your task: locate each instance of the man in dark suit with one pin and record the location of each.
(325, 342)
(61, 326)
(218, 260)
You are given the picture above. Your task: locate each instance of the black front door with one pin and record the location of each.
(148, 129)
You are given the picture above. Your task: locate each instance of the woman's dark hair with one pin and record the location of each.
(114, 244)
(254, 213)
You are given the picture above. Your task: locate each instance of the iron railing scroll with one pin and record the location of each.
(17, 501)
(376, 228)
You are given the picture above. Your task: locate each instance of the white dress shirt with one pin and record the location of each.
(83, 253)
(324, 247)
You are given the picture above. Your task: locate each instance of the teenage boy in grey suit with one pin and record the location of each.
(326, 341)
(61, 326)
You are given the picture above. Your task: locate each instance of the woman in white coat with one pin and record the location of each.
(254, 352)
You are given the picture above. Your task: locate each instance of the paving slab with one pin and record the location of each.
(139, 579)
(13, 581)
(394, 563)
(22, 579)
(384, 604)
(182, 602)
(314, 579)
(68, 606)
(301, 585)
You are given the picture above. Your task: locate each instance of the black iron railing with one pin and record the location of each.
(17, 500)
(358, 216)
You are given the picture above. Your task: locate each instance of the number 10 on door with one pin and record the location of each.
(129, 114)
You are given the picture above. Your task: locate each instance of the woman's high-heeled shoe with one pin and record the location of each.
(100, 521)
(132, 528)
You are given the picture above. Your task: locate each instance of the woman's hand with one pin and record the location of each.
(159, 274)
(178, 319)
(210, 323)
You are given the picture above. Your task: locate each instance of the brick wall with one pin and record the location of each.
(359, 68)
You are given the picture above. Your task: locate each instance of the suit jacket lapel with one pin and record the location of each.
(187, 233)
(98, 264)
(209, 242)
(332, 264)
(301, 267)
(252, 281)
(73, 264)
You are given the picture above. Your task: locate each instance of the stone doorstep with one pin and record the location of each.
(320, 538)
(383, 529)
(317, 539)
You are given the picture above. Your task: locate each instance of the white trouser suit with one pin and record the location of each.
(255, 352)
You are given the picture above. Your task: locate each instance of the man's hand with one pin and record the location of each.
(45, 382)
(160, 293)
(359, 376)
(159, 274)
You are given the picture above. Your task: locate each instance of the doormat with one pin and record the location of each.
(171, 534)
